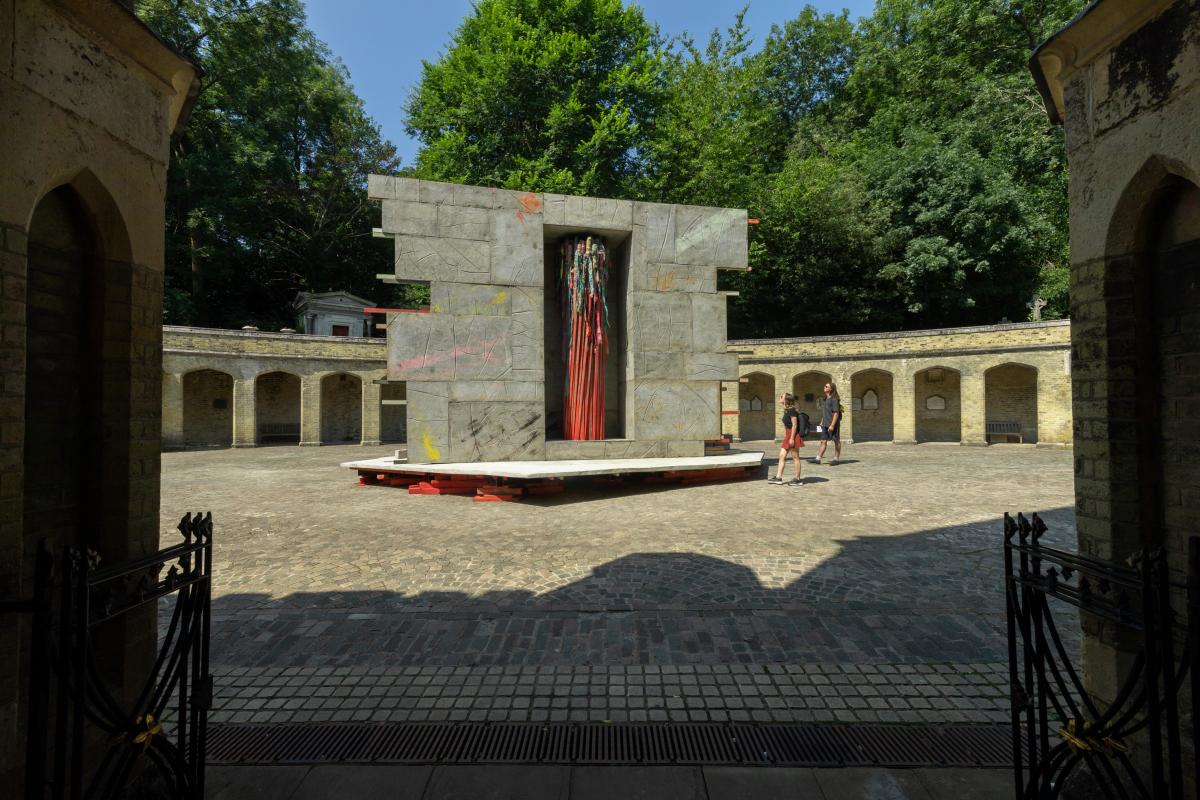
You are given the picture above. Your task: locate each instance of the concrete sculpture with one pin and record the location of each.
(484, 368)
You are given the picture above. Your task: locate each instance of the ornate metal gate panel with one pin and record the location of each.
(1058, 728)
(84, 740)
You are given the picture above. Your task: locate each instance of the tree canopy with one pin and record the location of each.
(903, 168)
(266, 190)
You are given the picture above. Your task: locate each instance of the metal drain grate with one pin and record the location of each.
(632, 743)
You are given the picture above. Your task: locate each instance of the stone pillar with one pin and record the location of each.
(172, 412)
(245, 425)
(846, 427)
(904, 408)
(783, 383)
(310, 410)
(730, 421)
(973, 408)
(371, 410)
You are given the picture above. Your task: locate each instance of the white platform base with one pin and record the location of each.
(561, 469)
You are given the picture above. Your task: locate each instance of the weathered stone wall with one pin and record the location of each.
(487, 346)
(1125, 79)
(889, 364)
(88, 100)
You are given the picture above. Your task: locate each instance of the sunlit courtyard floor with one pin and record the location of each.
(871, 593)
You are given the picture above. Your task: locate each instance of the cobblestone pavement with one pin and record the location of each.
(871, 593)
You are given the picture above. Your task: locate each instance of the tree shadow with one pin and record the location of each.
(934, 597)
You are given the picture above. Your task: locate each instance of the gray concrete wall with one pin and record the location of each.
(477, 364)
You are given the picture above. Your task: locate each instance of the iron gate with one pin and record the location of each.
(83, 740)
(1132, 748)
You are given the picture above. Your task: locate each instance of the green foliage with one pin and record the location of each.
(545, 95)
(903, 166)
(266, 193)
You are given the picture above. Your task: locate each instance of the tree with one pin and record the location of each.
(266, 193)
(717, 137)
(546, 95)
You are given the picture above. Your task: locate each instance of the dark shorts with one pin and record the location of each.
(831, 435)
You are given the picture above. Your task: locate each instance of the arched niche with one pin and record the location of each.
(872, 391)
(1011, 396)
(277, 408)
(938, 392)
(756, 422)
(341, 409)
(207, 408)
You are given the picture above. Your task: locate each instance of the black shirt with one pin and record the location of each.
(789, 415)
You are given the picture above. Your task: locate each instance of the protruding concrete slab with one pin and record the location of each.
(497, 431)
(469, 300)
(661, 321)
(565, 468)
(677, 410)
(455, 194)
(437, 347)
(430, 258)
(406, 217)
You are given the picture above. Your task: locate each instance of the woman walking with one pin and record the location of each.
(792, 441)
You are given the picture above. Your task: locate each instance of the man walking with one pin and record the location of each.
(831, 420)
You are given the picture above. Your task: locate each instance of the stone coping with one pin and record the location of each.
(562, 469)
(858, 337)
(295, 337)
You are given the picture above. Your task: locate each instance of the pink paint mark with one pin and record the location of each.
(429, 359)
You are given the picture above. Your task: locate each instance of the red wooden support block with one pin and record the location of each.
(496, 498)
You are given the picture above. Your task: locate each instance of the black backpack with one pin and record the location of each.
(804, 424)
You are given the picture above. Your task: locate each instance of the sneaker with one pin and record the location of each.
(833, 463)
(795, 482)
(817, 460)
(773, 479)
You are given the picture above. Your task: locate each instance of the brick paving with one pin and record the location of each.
(872, 593)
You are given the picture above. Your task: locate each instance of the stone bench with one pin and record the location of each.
(1004, 429)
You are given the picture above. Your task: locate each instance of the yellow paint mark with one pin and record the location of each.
(430, 448)
(435, 309)
(500, 297)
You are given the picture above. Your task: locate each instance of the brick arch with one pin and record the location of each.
(341, 407)
(207, 397)
(277, 399)
(758, 423)
(931, 385)
(872, 424)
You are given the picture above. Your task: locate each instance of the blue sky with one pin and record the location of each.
(382, 43)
